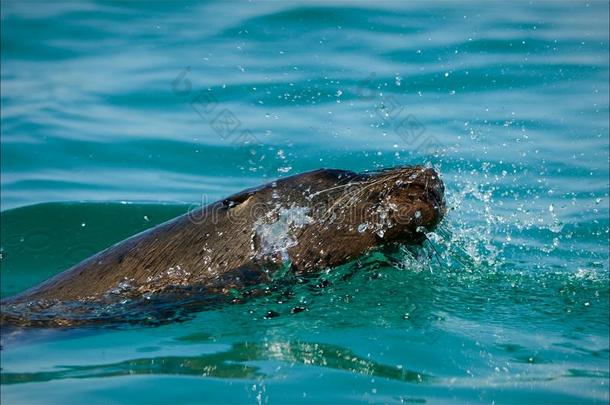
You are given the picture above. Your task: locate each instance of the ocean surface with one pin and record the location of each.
(116, 116)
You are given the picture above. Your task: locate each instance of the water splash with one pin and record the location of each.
(276, 231)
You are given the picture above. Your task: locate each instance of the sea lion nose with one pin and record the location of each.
(434, 187)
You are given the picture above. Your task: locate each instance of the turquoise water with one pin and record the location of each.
(119, 115)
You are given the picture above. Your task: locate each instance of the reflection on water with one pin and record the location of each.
(233, 363)
(256, 361)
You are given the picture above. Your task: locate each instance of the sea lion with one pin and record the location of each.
(305, 223)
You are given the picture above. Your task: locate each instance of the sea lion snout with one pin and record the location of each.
(434, 188)
(415, 196)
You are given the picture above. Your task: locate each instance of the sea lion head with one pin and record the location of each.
(333, 216)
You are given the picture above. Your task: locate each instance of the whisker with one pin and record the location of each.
(330, 189)
(352, 197)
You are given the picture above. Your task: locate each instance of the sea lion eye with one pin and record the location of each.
(237, 199)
